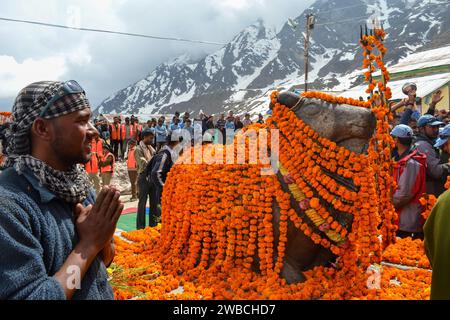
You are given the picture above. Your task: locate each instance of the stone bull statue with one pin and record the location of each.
(350, 127)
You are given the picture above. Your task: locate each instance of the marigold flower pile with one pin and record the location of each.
(138, 274)
(407, 252)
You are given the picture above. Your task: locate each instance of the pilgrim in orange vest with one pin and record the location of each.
(107, 164)
(96, 154)
(115, 131)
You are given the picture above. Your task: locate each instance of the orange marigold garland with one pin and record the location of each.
(427, 201)
(382, 143)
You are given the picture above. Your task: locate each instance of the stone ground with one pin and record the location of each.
(121, 180)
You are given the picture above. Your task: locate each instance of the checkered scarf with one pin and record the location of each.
(71, 186)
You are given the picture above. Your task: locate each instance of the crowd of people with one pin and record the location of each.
(138, 143)
(120, 134)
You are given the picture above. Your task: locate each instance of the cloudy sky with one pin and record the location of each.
(105, 63)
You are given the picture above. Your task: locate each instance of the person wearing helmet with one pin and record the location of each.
(409, 174)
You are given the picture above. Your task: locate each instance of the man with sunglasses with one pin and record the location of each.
(428, 127)
(55, 237)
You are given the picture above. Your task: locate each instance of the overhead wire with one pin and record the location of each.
(110, 31)
(341, 8)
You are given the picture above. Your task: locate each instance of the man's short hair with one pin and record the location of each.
(405, 141)
(147, 132)
(170, 141)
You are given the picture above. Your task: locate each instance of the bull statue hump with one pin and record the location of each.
(198, 226)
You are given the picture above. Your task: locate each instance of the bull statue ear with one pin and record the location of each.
(291, 100)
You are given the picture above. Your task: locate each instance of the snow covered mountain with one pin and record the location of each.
(240, 75)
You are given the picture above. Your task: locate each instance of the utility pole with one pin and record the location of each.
(310, 19)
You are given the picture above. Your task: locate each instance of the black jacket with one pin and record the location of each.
(159, 167)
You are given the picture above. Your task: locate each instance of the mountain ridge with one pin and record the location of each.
(258, 59)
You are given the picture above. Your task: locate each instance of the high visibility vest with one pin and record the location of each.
(132, 131)
(110, 167)
(115, 132)
(96, 151)
(131, 161)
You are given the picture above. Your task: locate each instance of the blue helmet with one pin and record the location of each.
(444, 135)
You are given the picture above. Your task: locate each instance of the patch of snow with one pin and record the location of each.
(245, 38)
(403, 31)
(143, 84)
(347, 56)
(182, 97)
(381, 11)
(237, 97)
(147, 109)
(321, 61)
(412, 48)
(213, 62)
(262, 48)
(346, 81)
(431, 26)
(108, 99)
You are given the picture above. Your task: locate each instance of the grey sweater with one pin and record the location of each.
(37, 234)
